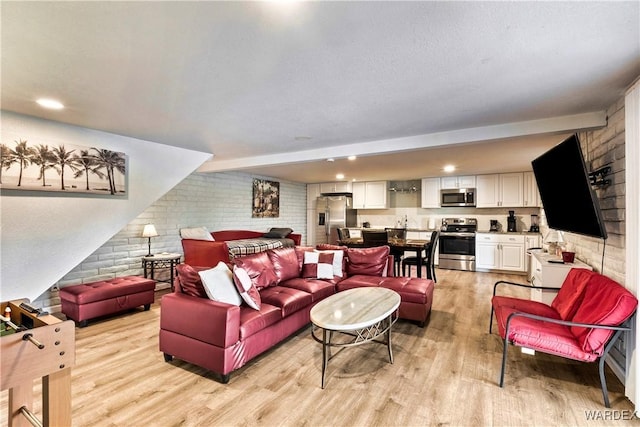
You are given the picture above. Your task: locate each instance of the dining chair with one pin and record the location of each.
(374, 238)
(428, 261)
(401, 234)
(343, 234)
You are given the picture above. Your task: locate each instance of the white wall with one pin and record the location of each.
(45, 235)
(218, 201)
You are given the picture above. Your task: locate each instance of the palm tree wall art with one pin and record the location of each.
(82, 170)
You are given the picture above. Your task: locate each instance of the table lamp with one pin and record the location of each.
(554, 239)
(149, 231)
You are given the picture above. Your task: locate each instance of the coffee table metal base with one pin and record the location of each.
(358, 337)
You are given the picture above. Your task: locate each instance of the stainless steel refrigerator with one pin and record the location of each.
(334, 211)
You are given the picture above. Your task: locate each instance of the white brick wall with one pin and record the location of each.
(602, 147)
(219, 201)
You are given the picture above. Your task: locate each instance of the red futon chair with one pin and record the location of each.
(582, 323)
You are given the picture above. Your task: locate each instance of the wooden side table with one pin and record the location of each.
(165, 260)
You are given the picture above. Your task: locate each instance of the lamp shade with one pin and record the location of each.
(554, 236)
(149, 231)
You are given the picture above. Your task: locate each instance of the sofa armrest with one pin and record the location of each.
(204, 253)
(209, 321)
(297, 238)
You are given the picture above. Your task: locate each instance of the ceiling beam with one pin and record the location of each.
(486, 133)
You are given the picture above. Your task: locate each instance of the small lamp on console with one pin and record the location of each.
(149, 231)
(555, 240)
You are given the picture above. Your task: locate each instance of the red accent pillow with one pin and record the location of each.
(571, 293)
(259, 268)
(318, 265)
(190, 281)
(245, 287)
(285, 263)
(368, 261)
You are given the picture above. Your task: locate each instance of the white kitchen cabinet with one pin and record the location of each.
(548, 274)
(430, 193)
(313, 192)
(500, 190)
(500, 252)
(458, 182)
(336, 187)
(370, 195)
(532, 241)
(531, 198)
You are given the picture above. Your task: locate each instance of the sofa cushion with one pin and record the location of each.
(259, 268)
(285, 263)
(571, 292)
(190, 281)
(319, 289)
(218, 284)
(318, 265)
(368, 261)
(278, 233)
(252, 321)
(504, 306)
(246, 288)
(548, 337)
(196, 233)
(288, 299)
(358, 281)
(605, 302)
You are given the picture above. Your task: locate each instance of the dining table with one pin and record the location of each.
(396, 245)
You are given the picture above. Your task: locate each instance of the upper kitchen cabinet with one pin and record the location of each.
(500, 190)
(313, 192)
(457, 182)
(336, 187)
(531, 196)
(430, 193)
(370, 195)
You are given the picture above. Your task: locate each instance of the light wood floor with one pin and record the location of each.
(444, 374)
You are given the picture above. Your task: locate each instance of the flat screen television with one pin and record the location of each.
(565, 190)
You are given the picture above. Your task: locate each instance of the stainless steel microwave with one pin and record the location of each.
(458, 197)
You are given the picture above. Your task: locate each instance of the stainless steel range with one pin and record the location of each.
(457, 244)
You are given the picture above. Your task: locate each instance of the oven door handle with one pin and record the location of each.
(462, 234)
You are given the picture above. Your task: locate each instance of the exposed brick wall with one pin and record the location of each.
(606, 147)
(217, 201)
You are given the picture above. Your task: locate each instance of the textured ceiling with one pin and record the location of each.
(262, 84)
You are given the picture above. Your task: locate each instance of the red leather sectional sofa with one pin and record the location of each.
(223, 337)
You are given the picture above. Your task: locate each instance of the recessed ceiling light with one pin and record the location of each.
(449, 168)
(340, 176)
(50, 103)
(352, 157)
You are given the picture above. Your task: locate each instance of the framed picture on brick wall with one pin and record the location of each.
(266, 199)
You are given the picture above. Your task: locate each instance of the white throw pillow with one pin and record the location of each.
(219, 286)
(247, 289)
(337, 261)
(196, 233)
(318, 265)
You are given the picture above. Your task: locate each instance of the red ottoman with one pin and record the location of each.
(91, 300)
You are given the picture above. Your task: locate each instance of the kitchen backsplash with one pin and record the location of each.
(420, 218)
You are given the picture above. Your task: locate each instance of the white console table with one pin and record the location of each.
(549, 274)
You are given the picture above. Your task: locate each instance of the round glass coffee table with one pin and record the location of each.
(361, 314)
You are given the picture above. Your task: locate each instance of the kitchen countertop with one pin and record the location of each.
(526, 233)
